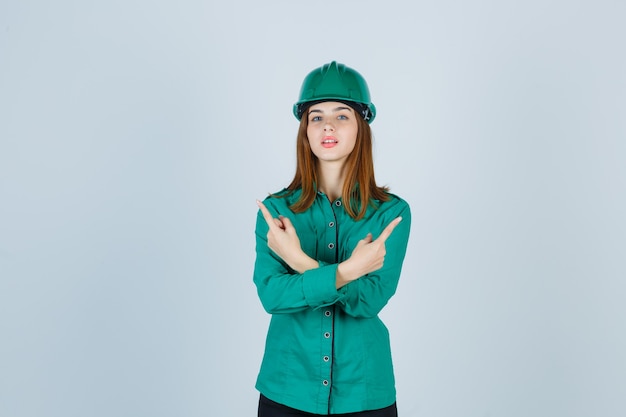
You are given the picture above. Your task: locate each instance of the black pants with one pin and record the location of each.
(269, 408)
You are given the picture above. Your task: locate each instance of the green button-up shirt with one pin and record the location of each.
(327, 351)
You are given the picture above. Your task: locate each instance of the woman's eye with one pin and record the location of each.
(316, 118)
(342, 117)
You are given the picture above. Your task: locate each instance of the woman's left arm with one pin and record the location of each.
(366, 296)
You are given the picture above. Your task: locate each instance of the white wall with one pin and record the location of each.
(136, 135)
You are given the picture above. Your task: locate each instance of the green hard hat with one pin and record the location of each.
(335, 82)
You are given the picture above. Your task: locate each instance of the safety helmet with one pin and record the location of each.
(336, 82)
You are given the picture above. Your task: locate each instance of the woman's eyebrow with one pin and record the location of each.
(334, 110)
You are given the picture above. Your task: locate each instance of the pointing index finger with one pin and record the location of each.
(387, 231)
(266, 214)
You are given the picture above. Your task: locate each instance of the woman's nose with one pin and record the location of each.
(328, 127)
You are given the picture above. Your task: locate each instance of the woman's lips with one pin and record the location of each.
(329, 142)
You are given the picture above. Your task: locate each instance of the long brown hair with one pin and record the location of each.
(359, 188)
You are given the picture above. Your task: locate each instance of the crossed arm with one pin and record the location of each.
(367, 257)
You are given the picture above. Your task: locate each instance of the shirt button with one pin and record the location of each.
(326, 358)
(327, 313)
(331, 245)
(338, 203)
(325, 383)
(326, 335)
(331, 224)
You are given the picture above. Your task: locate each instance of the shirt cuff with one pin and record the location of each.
(319, 285)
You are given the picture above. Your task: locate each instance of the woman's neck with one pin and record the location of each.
(331, 179)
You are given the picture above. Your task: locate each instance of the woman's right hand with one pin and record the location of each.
(283, 240)
(368, 256)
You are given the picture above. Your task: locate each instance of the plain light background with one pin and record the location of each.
(136, 135)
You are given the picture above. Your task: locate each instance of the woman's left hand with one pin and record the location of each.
(283, 240)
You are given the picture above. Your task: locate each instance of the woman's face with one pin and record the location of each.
(332, 130)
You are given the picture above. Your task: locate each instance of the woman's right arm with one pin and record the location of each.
(282, 288)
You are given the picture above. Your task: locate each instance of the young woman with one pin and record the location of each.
(329, 251)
